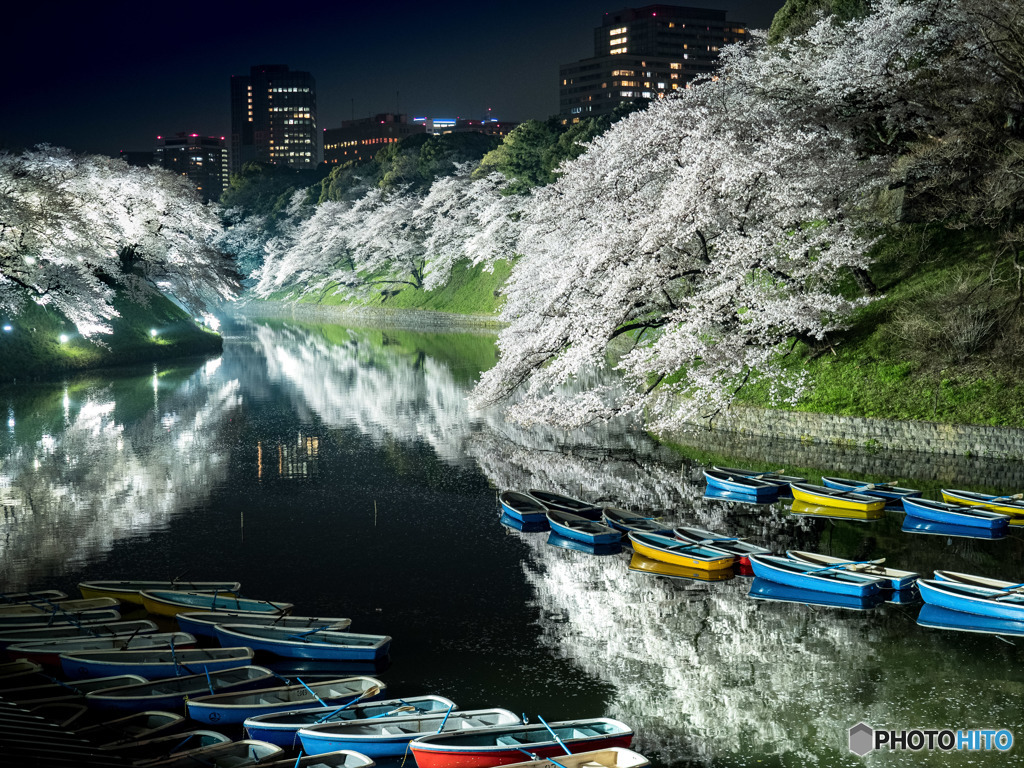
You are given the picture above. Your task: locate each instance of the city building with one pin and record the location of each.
(642, 54)
(489, 126)
(273, 118)
(362, 139)
(203, 159)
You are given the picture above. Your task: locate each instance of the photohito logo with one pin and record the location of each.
(864, 739)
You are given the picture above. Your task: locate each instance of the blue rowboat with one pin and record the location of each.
(897, 579)
(319, 643)
(171, 603)
(881, 490)
(170, 693)
(913, 524)
(1012, 505)
(624, 520)
(978, 601)
(522, 507)
(74, 690)
(762, 589)
(836, 579)
(48, 652)
(390, 737)
(152, 664)
(519, 525)
(976, 581)
(717, 494)
(564, 503)
(956, 514)
(934, 617)
(223, 708)
(748, 486)
(774, 478)
(728, 545)
(573, 526)
(202, 623)
(282, 728)
(600, 550)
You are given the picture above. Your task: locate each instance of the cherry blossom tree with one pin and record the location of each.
(76, 229)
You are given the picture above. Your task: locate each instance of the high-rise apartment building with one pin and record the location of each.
(641, 54)
(203, 159)
(273, 117)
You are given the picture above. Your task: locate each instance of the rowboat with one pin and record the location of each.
(63, 618)
(14, 673)
(64, 631)
(46, 607)
(224, 708)
(134, 727)
(163, 747)
(913, 524)
(577, 545)
(524, 527)
(282, 728)
(572, 526)
(717, 494)
(837, 579)
(152, 664)
(342, 758)
(48, 652)
(980, 601)
(564, 503)
(738, 548)
(317, 643)
(30, 696)
(746, 485)
(774, 478)
(612, 757)
(956, 514)
(482, 748)
(976, 581)
(230, 753)
(640, 564)
(881, 490)
(897, 579)
(933, 617)
(131, 591)
(202, 623)
(677, 552)
(625, 521)
(821, 511)
(522, 507)
(830, 497)
(170, 603)
(52, 595)
(771, 591)
(390, 737)
(1007, 505)
(170, 693)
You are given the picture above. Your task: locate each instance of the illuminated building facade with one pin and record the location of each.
(273, 118)
(439, 125)
(203, 159)
(362, 139)
(642, 54)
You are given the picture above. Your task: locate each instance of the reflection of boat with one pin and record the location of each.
(640, 564)
(522, 507)
(717, 493)
(553, 500)
(171, 693)
(897, 579)
(677, 552)
(202, 623)
(292, 668)
(554, 540)
(808, 509)
(934, 617)
(524, 527)
(498, 746)
(727, 545)
(129, 591)
(830, 497)
(571, 526)
(881, 490)
(318, 643)
(774, 478)
(956, 514)
(625, 521)
(981, 601)
(612, 757)
(763, 589)
(281, 727)
(976, 581)
(834, 580)
(390, 737)
(742, 484)
(170, 603)
(1008, 505)
(152, 664)
(913, 524)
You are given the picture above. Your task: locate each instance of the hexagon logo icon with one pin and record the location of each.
(862, 739)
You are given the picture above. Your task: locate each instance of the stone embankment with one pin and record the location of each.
(375, 316)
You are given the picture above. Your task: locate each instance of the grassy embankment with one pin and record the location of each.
(32, 349)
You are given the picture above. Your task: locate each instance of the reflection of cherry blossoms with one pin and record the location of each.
(71, 491)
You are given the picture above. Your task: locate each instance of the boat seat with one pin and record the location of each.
(508, 741)
(579, 733)
(391, 730)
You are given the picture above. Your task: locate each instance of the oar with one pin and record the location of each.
(369, 692)
(1008, 498)
(298, 760)
(393, 712)
(312, 692)
(303, 634)
(555, 736)
(131, 637)
(446, 714)
(772, 473)
(839, 566)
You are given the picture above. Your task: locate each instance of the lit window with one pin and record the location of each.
(616, 31)
(675, 65)
(617, 41)
(615, 51)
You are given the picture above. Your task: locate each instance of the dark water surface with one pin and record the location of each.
(341, 469)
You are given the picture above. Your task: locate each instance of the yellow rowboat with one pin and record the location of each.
(1007, 505)
(836, 513)
(830, 497)
(640, 564)
(130, 591)
(63, 606)
(676, 552)
(171, 603)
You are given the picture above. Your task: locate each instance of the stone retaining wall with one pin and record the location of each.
(376, 316)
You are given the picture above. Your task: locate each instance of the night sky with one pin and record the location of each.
(102, 77)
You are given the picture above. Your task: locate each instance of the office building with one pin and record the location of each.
(273, 118)
(642, 54)
(203, 159)
(362, 139)
(490, 126)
